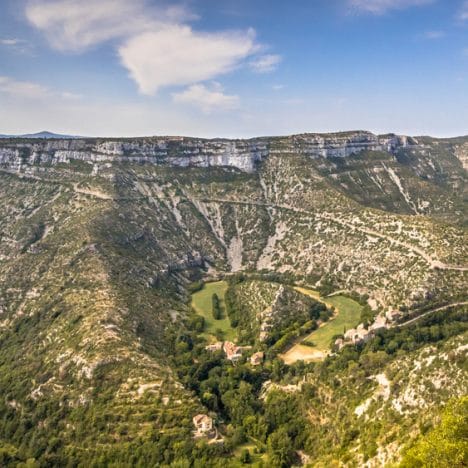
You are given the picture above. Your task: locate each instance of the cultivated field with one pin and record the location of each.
(202, 304)
(318, 342)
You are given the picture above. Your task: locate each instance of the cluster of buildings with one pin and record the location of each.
(234, 352)
(360, 334)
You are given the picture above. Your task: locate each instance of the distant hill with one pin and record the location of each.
(43, 134)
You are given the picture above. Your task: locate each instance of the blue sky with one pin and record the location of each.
(234, 68)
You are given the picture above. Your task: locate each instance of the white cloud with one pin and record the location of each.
(207, 99)
(380, 7)
(70, 25)
(30, 90)
(278, 87)
(11, 41)
(434, 34)
(153, 43)
(13, 44)
(265, 63)
(23, 89)
(71, 96)
(177, 55)
(463, 13)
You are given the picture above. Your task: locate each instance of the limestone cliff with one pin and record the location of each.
(18, 155)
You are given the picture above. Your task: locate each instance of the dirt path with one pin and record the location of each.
(455, 304)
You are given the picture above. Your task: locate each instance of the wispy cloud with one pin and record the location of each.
(380, 7)
(265, 63)
(463, 12)
(24, 89)
(15, 44)
(433, 35)
(31, 90)
(10, 41)
(76, 26)
(208, 99)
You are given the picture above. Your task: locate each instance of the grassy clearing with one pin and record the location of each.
(256, 458)
(347, 316)
(202, 304)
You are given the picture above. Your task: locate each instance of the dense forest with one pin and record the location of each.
(274, 425)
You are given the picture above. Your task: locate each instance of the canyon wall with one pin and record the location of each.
(183, 152)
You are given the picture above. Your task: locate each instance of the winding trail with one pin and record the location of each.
(433, 263)
(448, 306)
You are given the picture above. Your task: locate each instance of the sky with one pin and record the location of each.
(233, 68)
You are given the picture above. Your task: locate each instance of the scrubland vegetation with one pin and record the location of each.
(107, 302)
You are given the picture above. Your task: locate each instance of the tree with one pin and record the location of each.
(245, 457)
(197, 323)
(239, 402)
(280, 450)
(446, 444)
(216, 308)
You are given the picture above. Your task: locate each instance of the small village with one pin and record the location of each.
(360, 334)
(234, 352)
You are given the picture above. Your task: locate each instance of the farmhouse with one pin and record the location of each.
(203, 424)
(379, 323)
(218, 346)
(257, 358)
(393, 315)
(357, 335)
(233, 352)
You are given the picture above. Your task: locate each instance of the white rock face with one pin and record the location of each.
(344, 145)
(461, 153)
(190, 152)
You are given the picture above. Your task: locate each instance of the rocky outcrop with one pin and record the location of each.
(17, 155)
(342, 145)
(177, 152)
(461, 152)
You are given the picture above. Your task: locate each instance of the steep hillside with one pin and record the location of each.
(263, 310)
(102, 360)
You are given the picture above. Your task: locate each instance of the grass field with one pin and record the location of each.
(348, 313)
(201, 303)
(347, 316)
